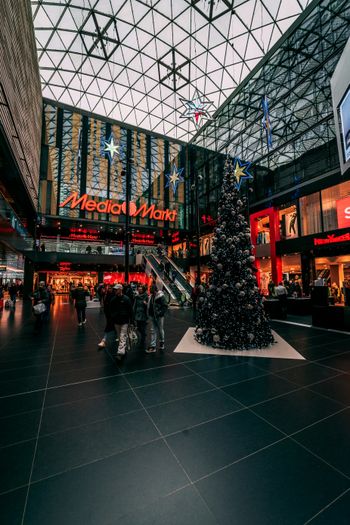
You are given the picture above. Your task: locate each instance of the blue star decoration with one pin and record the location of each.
(111, 148)
(240, 171)
(174, 178)
(197, 108)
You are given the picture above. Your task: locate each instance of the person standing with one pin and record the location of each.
(140, 313)
(157, 306)
(282, 295)
(121, 315)
(79, 295)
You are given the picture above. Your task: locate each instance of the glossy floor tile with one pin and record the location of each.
(170, 438)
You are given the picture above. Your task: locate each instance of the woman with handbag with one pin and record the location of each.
(140, 314)
(41, 299)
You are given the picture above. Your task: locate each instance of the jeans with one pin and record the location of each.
(157, 328)
(142, 328)
(122, 330)
(81, 313)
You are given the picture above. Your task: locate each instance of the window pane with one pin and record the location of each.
(330, 197)
(310, 214)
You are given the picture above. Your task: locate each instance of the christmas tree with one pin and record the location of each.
(231, 313)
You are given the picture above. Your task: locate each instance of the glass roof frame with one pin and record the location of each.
(295, 76)
(132, 60)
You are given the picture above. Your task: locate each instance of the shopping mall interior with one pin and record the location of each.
(175, 262)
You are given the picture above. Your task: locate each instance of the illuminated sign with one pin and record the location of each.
(331, 239)
(343, 212)
(114, 208)
(143, 238)
(3, 268)
(64, 266)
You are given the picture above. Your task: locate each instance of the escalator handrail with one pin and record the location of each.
(186, 284)
(171, 294)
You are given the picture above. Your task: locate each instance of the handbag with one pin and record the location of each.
(39, 308)
(132, 338)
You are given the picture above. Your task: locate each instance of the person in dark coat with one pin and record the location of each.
(41, 295)
(156, 308)
(79, 296)
(13, 293)
(140, 313)
(109, 293)
(121, 315)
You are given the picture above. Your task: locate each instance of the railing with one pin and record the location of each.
(150, 260)
(180, 278)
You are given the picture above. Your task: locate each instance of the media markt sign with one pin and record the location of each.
(114, 208)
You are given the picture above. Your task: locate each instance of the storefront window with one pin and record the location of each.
(264, 265)
(310, 214)
(291, 267)
(335, 200)
(263, 236)
(288, 220)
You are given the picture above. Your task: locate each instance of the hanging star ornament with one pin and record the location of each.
(197, 108)
(111, 148)
(240, 171)
(174, 178)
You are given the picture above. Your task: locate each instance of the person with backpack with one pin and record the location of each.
(79, 296)
(41, 297)
(140, 313)
(156, 309)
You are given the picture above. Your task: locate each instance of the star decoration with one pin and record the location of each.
(174, 178)
(197, 108)
(111, 148)
(240, 171)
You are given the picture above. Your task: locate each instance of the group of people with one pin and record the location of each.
(292, 288)
(123, 308)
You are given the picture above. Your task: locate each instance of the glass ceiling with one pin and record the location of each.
(138, 61)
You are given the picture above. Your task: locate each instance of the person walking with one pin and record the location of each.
(40, 296)
(13, 293)
(140, 314)
(156, 309)
(79, 295)
(121, 315)
(108, 296)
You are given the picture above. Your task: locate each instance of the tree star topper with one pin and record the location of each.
(240, 171)
(196, 109)
(110, 147)
(174, 178)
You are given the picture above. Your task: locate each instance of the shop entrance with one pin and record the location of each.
(61, 282)
(335, 271)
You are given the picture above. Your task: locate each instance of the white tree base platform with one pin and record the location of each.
(279, 350)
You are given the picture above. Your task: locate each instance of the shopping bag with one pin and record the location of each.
(132, 338)
(39, 308)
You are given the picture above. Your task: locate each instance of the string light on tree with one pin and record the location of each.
(197, 109)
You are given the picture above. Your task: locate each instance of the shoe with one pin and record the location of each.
(151, 350)
(102, 344)
(161, 347)
(84, 321)
(80, 324)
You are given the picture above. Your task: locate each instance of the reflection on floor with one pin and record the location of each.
(173, 438)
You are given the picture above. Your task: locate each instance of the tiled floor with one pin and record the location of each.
(171, 439)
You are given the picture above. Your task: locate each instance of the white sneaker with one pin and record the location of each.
(102, 344)
(84, 321)
(80, 324)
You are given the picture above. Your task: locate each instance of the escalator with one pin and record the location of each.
(179, 278)
(153, 267)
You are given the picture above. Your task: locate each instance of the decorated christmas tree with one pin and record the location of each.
(231, 313)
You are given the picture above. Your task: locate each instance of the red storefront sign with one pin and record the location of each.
(343, 213)
(114, 208)
(331, 239)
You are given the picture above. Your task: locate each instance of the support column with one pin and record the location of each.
(28, 281)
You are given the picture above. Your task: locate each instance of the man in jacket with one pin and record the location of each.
(121, 314)
(157, 306)
(140, 313)
(107, 298)
(41, 295)
(79, 295)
